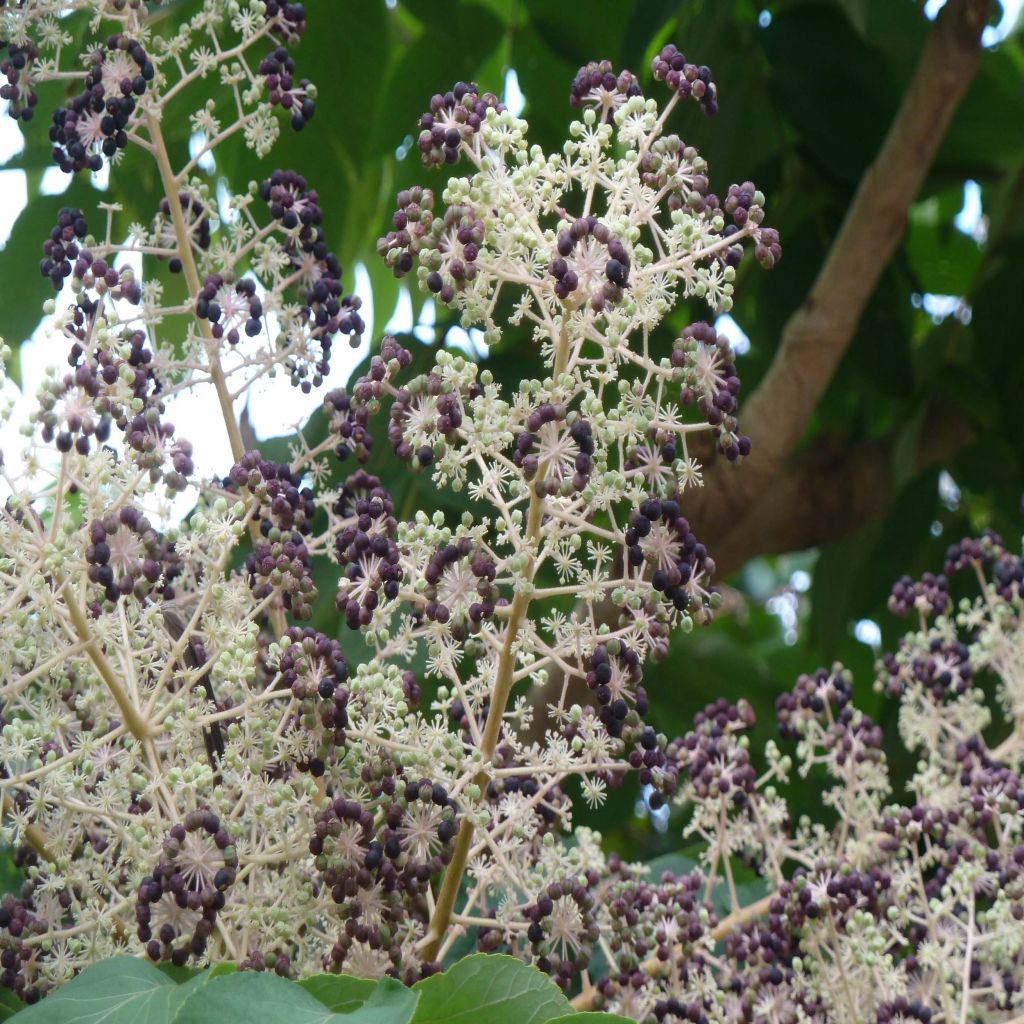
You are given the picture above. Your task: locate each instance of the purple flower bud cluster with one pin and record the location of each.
(152, 440)
(929, 594)
(425, 417)
(717, 765)
(31, 913)
(689, 81)
(94, 124)
(377, 862)
(768, 250)
(349, 414)
(450, 259)
(313, 668)
(280, 561)
(62, 246)
(285, 503)
(82, 406)
(278, 71)
(16, 67)
(970, 551)
(743, 204)
(613, 675)
(943, 671)
(460, 586)
(453, 118)
(819, 696)
(84, 416)
(176, 907)
(590, 265)
(565, 455)
(664, 918)
(563, 927)
(709, 380)
(257, 960)
(63, 257)
(903, 1010)
(348, 419)
(597, 84)
(316, 270)
(411, 226)
(988, 792)
(660, 538)
(366, 549)
(671, 165)
(447, 247)
(834, 889)
(126, 555)
(289, 19)
(230, 309)
(989, 551)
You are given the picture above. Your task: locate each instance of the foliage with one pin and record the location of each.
(124, 990)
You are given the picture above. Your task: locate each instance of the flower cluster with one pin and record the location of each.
(293, 731)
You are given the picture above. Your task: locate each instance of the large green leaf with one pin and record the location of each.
(830, 85)
(339, 992)
(123, 990)
(489, 989)
(493, 988)
(943, 258)
(390, 1002)
(255, 998)
(363, 1001)
(10, 1004)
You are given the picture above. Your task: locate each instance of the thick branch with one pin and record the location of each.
(819, 332)
(32, 834)
(500, 691)
(191, 271)
(833, 490)
(136, 722)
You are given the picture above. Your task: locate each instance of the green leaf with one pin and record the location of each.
(179, 975)
(389, 1003)
(339, 992)
(944, 259)
(10, 1004)
(859, 13)
(824, 74)
(11, 878)
(904, 453)
(254, 998)
(989, 124)
(832, 590)
(489, 989)
(362, 1000)
(123, 990)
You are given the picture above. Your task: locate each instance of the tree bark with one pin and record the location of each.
(821, 329)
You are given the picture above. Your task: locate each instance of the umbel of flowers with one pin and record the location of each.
(192, 774)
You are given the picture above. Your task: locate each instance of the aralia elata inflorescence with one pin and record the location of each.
(193, 774)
